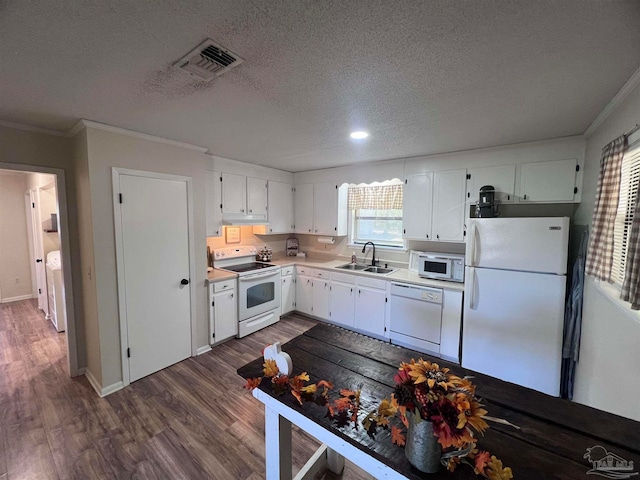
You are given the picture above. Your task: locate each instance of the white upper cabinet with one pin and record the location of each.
(434, 206)
(213, 207)
(549, 181)
(330, 209)
(416, 213)
(449, 189)
(256, 196)
(244, 199)
(234, 194)
(321, 208)
(303, 196)
(502, 178)
(280, 207)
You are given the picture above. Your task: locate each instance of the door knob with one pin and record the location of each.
(184, 281)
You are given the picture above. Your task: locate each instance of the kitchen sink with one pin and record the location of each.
(380, 270)
(352, 266)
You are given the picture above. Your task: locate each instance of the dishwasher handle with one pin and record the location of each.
(423, 294)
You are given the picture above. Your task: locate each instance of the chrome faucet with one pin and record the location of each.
(373, 259)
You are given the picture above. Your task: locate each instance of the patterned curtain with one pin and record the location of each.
(631, 284)
(600, 254)
(381, 197)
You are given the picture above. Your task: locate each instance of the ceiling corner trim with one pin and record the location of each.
(77, 128)
(31, 128)
(627, 88)
(83, 123)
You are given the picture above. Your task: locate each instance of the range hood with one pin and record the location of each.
(241, 219)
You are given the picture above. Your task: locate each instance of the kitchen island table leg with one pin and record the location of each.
(277, 445)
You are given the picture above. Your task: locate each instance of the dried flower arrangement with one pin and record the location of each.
(423, 389)
(433, 394)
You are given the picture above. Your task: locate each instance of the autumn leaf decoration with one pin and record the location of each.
(342, 410)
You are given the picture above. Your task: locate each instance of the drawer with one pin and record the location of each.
(287, 270)
(372, 282)
(303, 270)
(343, 278)
(321, 274)
(223, 285)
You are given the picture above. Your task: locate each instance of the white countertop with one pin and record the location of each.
(401, 275)
(216, 275)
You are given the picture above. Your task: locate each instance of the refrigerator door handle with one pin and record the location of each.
(472, 289)
(474, 233)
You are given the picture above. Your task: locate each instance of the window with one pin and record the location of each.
(629, 181)
(375, 214)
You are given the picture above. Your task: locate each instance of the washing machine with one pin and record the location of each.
(55, 290)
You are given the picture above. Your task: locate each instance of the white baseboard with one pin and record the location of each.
(102, 391)
(205, 349)
(17, 299)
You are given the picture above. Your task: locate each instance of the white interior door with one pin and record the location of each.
(38, 250)
(155, 248)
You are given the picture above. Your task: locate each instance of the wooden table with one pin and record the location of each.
(551, 443)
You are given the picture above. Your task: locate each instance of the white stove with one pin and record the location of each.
(259, 287)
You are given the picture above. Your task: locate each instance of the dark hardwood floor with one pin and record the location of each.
(189, 421)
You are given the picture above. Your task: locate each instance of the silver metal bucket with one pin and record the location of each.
(422, 448)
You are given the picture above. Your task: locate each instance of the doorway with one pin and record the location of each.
(154, 245)
(43, 187)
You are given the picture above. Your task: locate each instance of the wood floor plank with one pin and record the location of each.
(28, 451)
(192, 420)
(74, 452)
(172, 457)
(3, 453)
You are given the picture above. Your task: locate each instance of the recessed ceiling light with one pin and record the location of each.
(359, 135)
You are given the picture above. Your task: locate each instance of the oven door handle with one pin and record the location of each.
(253, 276)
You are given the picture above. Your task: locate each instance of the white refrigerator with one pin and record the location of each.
(515, 281)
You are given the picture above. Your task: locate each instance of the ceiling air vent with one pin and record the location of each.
(208, 60)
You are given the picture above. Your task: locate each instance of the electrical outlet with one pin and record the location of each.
(17, 281)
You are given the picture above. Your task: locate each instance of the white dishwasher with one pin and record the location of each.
(416, 317)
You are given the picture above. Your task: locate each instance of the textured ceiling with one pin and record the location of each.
(422, 77)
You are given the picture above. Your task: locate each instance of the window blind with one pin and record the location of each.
(629, 182)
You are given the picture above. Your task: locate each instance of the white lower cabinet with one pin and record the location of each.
(371, 299)
(304, 291)
(288, 300)
(361, 303)
(223, 310)
(342, 302)
(320, 301)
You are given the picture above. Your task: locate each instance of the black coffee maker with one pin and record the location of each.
(487, 206)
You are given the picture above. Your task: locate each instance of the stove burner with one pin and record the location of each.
(247, 267)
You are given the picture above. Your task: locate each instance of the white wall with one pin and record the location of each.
(15, 265)
(106, 150)
(608, 373)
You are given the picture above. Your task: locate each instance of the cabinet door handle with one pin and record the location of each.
(242, 210)
(250, 211)
(184, 281)
(427, 235)
(231, 295)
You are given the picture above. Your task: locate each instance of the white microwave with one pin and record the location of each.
(441, 266)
